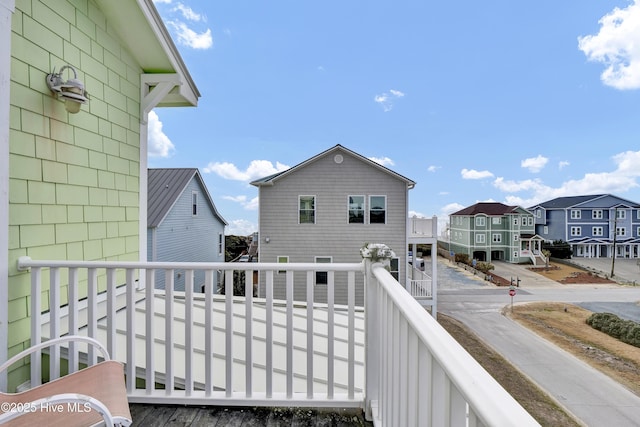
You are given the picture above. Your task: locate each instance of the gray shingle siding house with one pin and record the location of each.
(324, 210)
(183, 222)
(590, 223)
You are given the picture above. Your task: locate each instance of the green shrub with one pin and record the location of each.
(626, 331)
(558, 249)
(485, 267)
(463, 258)
(633, 336)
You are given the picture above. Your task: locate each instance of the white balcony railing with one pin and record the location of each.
(422, 227)
(393, 359)
(420, 283)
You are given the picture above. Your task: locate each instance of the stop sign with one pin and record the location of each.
(512, 292)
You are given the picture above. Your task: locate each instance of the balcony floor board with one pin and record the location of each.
(217, 416)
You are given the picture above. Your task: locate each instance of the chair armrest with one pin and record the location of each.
(85, 403)
(48, 343)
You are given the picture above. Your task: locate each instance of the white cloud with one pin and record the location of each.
(625, 176)
(256, 169)
(189, 14)
(386, 99)
(563, 164)
(534, 164)
(433, 168)
(474, 174)
(509, 186)
(617, 45)
(159, 144)
(162, 1)
(384, 161)
(188, 37)
(241, 227)
(250, 205)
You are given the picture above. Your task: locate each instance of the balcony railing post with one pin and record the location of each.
(371, 340)
(372, 253)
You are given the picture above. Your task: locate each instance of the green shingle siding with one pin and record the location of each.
(74, 178)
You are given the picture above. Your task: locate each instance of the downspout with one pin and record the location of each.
(6, 12)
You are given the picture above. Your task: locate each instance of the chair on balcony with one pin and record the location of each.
(87, 397)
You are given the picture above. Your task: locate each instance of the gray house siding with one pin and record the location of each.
(331, 236)
(182, 236)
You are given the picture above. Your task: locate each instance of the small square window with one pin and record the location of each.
(283, 259)
(322, 277)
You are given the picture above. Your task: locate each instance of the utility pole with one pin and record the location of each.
(615, 235)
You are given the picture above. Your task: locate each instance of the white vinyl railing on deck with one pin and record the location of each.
(418, 375)
(206, 349)
(177, 352)
(420, 283)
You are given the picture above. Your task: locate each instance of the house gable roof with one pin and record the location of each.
(576, 201)
(338, 149)
(487, 208)
(164, 188)
(143, 32)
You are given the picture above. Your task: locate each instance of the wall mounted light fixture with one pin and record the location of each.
(70, 91)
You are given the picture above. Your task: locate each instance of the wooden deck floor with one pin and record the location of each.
(163, 415)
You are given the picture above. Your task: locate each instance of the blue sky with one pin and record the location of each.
(514, 102)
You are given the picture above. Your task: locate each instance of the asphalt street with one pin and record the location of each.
(589, 395)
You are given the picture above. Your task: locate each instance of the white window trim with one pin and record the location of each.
(194, 203)
(329, 260)
(597, 214)
(278, 258)
(576, 214)
(481, 221)
(364, 208)
(621, 231)
(315, 210)
(368, 219)
(576, 231)
(496, 238)
(597, 231)
(480, 238)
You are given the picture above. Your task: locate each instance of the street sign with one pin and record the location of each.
(512, 292)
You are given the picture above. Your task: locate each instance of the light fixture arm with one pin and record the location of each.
(71, 91)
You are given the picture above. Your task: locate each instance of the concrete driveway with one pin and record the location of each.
(624, 270)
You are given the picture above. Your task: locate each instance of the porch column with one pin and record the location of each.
(6, 13)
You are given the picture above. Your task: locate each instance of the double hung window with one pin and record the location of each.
(377, 209)
(307, 206)
(356, 209)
